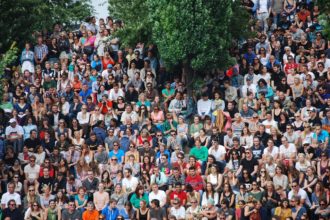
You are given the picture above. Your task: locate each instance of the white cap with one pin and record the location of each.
(12, 120)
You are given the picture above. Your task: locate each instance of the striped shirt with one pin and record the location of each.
(40, 50)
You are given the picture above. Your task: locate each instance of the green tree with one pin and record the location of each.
(324, 18)
(19, 18)
(134, 13)
(196, 34)
(6, 60)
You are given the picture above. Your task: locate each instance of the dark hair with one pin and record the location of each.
(155, 202)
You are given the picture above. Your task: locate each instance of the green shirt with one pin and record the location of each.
(136, 201)
(200, 153)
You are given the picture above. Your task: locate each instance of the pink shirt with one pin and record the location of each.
(100, 200)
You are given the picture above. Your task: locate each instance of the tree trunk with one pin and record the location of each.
(188, 77)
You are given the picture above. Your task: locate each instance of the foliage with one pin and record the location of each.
(196, 32)
(134, 13)
(19, 18)
(6, 60)
(324, 19)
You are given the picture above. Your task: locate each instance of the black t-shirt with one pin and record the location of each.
(249, 164)
(276, 78)
(45, 181)
(150, 152)
(314, 121)
(32, 143)
(257, 152)
(15, 214)
(309, 150)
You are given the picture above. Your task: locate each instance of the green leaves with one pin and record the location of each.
(19, 18)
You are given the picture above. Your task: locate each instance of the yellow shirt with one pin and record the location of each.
(283, 213)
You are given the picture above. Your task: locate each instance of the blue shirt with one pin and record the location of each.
(119, 155)
(322, 136)
(85, 94)
(110, 214)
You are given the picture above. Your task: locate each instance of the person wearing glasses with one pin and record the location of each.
(12, 211)
(71, 212)
(177, 210)
(297, 191)
(35, 212)
(30, 197)
(249, 163)
(31, 172)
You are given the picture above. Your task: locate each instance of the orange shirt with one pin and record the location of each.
(90, 215)
(76, 85)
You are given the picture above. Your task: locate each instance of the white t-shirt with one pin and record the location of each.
(288, 151)
(32, 172)
(303, 195)
(10, 131)
(272, 153)
(130, 184)
(179, 213)
(161, 196)
(269, 125)
(217, 153)
(113, 95)
(83, 120)
(8, 196)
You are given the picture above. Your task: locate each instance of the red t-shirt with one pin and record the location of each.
(104, 109)
(196, 182)
(181, 195)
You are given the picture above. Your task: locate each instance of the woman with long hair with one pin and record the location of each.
(228, 195)
(81, 199)
(263, 178)
(246, 138)
(119, 195)
(63, 168)
(147, 165)
(114, 167)
(137, 196)
(142, 212)
(30, 198)
(280, 179)
(209, 193)
(255, 191)
(215, 178)
(82, 169)
(46, 197)
(106, 180)
(310, 180)
(283, 211)
(128, 212)
(322, 165)
(34, 213)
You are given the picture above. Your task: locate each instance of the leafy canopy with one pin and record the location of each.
(19, 18)
(193, 32)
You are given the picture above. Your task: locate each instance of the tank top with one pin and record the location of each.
(143, 216)
(52, 214)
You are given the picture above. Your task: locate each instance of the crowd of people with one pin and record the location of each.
(94, 130)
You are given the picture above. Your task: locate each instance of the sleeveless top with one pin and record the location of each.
(298, 128)
(52, 214)
(143, 216)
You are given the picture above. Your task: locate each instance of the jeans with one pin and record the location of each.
(263, 18)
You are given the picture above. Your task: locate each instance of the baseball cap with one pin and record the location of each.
(109, 66)
(12, 120)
